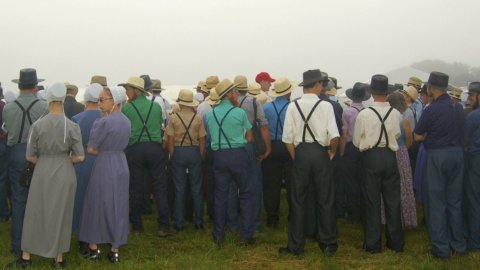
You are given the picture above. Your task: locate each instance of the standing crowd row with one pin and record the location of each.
(96, 164)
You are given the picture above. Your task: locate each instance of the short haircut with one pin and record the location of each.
(26, 86)
(397, 101)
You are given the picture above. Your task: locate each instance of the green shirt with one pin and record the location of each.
(12, 117)
(153, 125)
(234, 126)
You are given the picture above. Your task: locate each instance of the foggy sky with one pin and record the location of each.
(182, 42)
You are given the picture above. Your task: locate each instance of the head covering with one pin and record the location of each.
(92, 92)
(41, 94)
(119, 94)
(411, 91)
(135, 82)
(213, 98)
(10, 96)
(474, 87)
(379, 85)
(28, 76)
(224, 87)
(415, 82)
(264, 76)
(313, 76)
(147, 82)
(185, 98)
(241, 82)
(56, 92)
(438, 80)
(102, 80)
(282, 87)
(211, 81)
(456, 93)
(199, 97)
(157, 85)
(358, 92)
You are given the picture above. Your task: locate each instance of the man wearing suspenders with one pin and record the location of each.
(350, 154)
(18, 116)
(230, 132)
(375, 135)
(145, 155)
(441, 128)
(278, 165)
(311, 137)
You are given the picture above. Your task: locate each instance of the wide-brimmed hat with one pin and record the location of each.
(334, 80)
(359, 92)
(147, 82)
(71, 87)
(330, 88)
(379, 85)
(411, 91)
(264, 76)
(415, 82)
(282, 87)
(224, 87)
(135, 82)
(241, 82)
(213, 98)
(438, 80)
(254, 89)
(211, 81)
(157, 85)
(185, 98)
(28, 76)
(313, 76)
(456, 93)
(202, 87)
(102, 80)
(474, 87)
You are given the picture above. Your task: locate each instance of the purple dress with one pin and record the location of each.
(105, 211)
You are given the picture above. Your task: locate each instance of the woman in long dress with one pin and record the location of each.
(105, 211)
(54, 144)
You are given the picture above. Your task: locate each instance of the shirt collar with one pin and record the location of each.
(310, 96)
(381, 104)
(26, 95)
(225, 102)
(357, 105)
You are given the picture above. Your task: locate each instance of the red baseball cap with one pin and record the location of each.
(264, 76)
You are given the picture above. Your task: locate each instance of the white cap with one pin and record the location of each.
(92, 92)
(119, 94)
(10, 96)
(41, 95)
(56, 92)
(199, 97)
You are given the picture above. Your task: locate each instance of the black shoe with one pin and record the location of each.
(19, 263)
(199, 227)
(247, 242)
(83, 248)
(93, 254)
(113, 257)
(286, 250)
(165, 232)
(330, 251)
(58, 265)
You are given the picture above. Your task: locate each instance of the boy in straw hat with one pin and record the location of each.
(255, 90)
(230, 132)
(186, 144)
(145, 154)
(278, 164)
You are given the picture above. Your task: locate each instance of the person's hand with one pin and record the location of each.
(331, 154)
(264, 156)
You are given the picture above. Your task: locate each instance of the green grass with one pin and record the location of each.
(191, 249)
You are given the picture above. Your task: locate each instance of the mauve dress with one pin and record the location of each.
(105, 211)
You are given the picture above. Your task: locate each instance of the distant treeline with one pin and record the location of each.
(460, 74)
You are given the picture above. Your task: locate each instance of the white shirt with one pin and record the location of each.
(203, 108)
(163, 104)
(368, 127)
(322, 122)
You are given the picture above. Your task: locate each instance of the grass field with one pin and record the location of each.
(192, 249)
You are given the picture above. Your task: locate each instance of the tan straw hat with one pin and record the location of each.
(254, 89)
(224, 87)
(135, 82)
(415, 82)
(411, 91)
(241, 82)
(211, 82)
(282, 87)
(213, 98)
(157, 85)
(185, 98)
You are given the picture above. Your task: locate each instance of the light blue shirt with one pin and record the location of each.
(273, 110)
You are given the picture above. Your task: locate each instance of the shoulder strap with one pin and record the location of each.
(358, 110)
(383, 129)
(144, 128)
(220, 129)
(306, 126)
(25, 113)
(279, 120)
(241, 102)
(187, 128)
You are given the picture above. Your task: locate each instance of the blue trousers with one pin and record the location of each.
(16, 163)
(187, 157)
(4, 210)
(443, 200)
(472, 202)
(233, 165)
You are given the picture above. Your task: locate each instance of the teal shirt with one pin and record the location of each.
(154, 123)
(234, 126)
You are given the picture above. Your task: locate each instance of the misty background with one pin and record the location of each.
(182, 42)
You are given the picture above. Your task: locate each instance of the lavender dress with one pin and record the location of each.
(105, 211)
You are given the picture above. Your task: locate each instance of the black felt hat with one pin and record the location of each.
(358, 92)
(438, 80)
(379, 85)
(28, 76)
(313, 76)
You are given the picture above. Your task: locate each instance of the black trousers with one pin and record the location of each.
(276, 167)
(313, 170)
(350, 167)
(380, 177)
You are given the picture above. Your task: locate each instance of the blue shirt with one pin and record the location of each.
(443, 121)
(472, 132)
(85, 120)
(273, 110)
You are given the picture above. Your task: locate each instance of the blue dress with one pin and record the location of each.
(105, 209)
(83, 170)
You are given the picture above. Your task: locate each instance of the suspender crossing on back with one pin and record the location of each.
(26, 113)
(306, 126)
(187, 128)
(144, 128)
(220, 129)
(279, 122)
(382, 129)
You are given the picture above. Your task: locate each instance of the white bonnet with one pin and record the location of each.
(41, 95)
(56, 92)
(119, 94)
(92, 92)
(10, 96)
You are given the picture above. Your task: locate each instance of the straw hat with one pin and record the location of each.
(224, 87)
(157, 85)
(415, 82)
(411, 91)
(254, 89)
(135, 82)
(456, 93)
(185, 98)
(241, 82)
(102, 80)
(213, 98)
(202, 87)
(211, 82)
(71, 88)
(282, 87)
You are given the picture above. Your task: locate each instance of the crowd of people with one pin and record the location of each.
(232, 146)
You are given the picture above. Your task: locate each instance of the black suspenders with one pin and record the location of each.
(187, 129)
(241, 102)
(306, 126)
(144, 128)
(358, 110)
(382, 129)
(279, 121)
(26, 113)
(220, 129)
